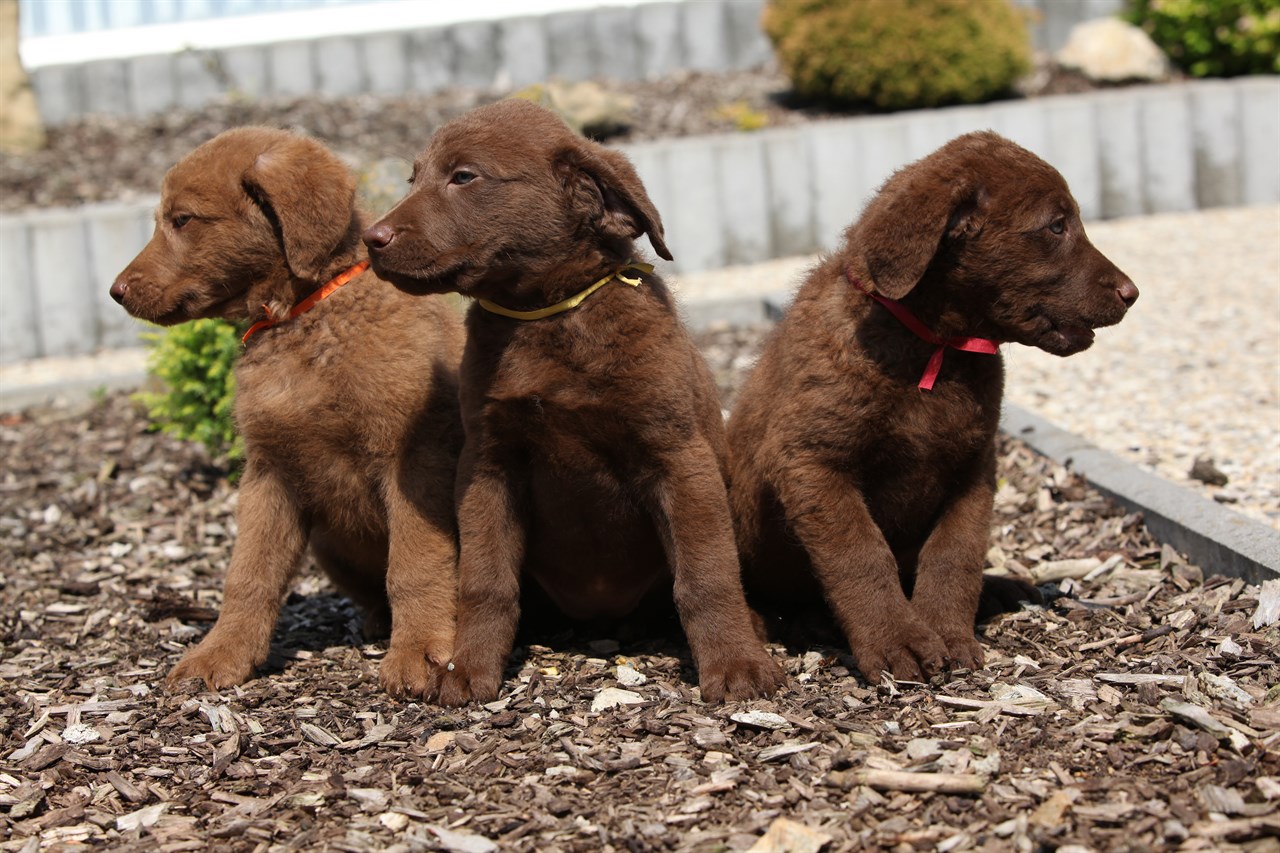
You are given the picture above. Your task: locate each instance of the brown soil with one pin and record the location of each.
(1140, 711)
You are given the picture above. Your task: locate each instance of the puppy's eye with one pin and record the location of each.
(1058, 226)
(462, 176)
(180, 220)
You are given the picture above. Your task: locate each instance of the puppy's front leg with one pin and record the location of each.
(492, 541)
(266, 556)
(857, 572)
(697, 534)
(949, 570)
(422, 576)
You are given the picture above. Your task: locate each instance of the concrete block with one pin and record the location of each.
(1215, 143)
(1073, 150)
(749, 47)
(788, 176)
(702, 314)
(882, 150)
(659, 39)
(475, 56)
(1024, 122)
(1120, 149)
(613, 28)
(247, 72)
(66, 314)
(522, 43)
(106, 87)
(151, 84)
(929, 130)
(290, 68)
(339, 66)
(743, 198)
(570, 47)
(1169, 164)
(59, 93)
(386, 62)
(695, 223)
(199, 78)
(18, 337)
(116, 234)
(704, 28)
(430, 60)
(649, 159)
(1260, 110)
(834, 186)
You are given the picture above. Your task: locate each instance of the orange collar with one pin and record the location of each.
(307, 304)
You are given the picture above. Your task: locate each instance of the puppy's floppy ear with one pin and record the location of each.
(903, 227)
(309, 197)
(605, 182)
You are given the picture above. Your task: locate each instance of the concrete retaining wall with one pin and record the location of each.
(735, 199)
(626, 43)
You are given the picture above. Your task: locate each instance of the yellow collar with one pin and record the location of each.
(572, 301)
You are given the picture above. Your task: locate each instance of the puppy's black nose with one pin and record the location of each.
(1127, 292)
(379, 236)
(118, 289)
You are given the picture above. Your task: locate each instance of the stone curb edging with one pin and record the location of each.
(743, 198)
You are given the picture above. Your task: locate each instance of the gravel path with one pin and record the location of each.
(1193, 370)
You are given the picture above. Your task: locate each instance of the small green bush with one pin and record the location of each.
(196, 363)
(1213, 38)
(899, 54)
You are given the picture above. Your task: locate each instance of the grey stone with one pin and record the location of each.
(116, 233)
(59, 92)
(66, 318)
(247, 71)
(1024, 122)
(1219, 540)
(700, 314)
(837, 197)
(475, 55)
(571, 49)
(704, 28)
(788, 176)
(339, 66)
(695, 224)
(151, 84)
(291, 71)
(1169, 164)
(613, 28)
(431, 55)
(199, 77)
(386, 63)
(1121, 150)
(1260, 111)
(1215, 142)
(1073, 150)
(106, 87)
(740, 171)
(882, 150)
(658, 37)
(649, 159)
(17, 302)
(523, 44)
(749, 47)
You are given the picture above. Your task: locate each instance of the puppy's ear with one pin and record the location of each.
(606, 184)
(903, 227)
(309, 197)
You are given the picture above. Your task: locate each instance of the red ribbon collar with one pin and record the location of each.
(906, 318)
(307, 304)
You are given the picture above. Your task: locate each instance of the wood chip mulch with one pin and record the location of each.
(1138, 711)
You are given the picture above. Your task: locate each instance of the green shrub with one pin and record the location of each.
(899, 54)
(196, 363)
(1213, 38)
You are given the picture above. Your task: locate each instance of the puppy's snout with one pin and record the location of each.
(1127, 292)
(379, 236)
(119, 288)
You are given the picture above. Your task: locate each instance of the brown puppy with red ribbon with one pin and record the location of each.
(346, 397)
(863, 444)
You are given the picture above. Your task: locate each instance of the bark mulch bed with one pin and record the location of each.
(1140, 711)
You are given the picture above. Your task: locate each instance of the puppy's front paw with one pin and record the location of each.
(745, 677)
(461, 683)
(217, 664)
(909, 652)
(963, 651)
(405, 674)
